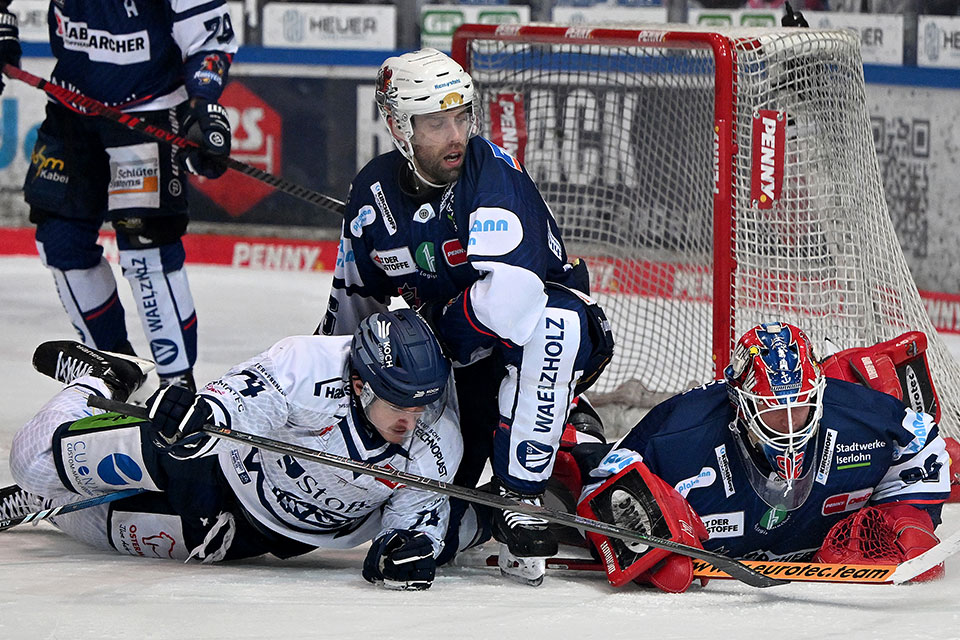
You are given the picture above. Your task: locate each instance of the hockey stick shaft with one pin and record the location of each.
(732, 567)
(131, 121)
(792, 571)
(43, 514)
(927, 560)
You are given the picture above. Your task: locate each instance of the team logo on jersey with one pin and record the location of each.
(843, 502)
(724, 525)
(534, 456)
(705, 478)
(494, 232)
(426, 258)
(388, 220)
(424, 214)
(211, 70)
(364, 217)
(453, 253)
(395, 262)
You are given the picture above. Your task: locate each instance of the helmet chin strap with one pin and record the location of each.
(406, 148)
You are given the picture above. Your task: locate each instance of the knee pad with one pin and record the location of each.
(67, 243)
(105, 453)
(154, 231)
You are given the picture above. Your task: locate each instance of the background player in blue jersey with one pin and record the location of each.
(455, 225)
(780, 463)
(167, 61)
(377, 397)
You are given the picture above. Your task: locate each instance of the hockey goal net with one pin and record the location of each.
(714, 180)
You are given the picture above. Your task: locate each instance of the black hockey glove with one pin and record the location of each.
(9, 41)
(793, 18)
(206, 124)
(176, 413)
(401, 560)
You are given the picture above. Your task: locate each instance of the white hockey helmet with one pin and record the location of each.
(419, 83)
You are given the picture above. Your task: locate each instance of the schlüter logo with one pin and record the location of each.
(769, 139)
(508, 124)
(843, 502)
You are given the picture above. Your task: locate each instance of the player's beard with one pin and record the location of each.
(433, 166)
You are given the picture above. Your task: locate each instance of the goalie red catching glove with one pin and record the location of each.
(889, 533)
(635, 498)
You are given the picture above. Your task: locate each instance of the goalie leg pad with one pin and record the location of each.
(637, 499)
(105, 453)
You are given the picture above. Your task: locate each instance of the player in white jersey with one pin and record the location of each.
(379, 396)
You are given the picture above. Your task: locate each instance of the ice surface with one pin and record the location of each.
(53, 587)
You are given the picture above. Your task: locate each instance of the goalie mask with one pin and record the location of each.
(776, 386)
(402, 371)
(422, 83)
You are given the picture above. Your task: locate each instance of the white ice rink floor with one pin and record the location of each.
(52, 587)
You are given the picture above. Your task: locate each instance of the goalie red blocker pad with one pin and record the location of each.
(899, 368)
(889, 533)
(638, 499)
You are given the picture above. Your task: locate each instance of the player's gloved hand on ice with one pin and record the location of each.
(9, 41)
(206, 123)
(177, 413)
(402, 560)
(615, 462)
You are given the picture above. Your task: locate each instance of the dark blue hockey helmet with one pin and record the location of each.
(399, 360)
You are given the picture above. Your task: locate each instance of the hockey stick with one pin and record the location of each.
(732, 567)
(43, 514)
(74, 100)
(791, 571)
(927, 560)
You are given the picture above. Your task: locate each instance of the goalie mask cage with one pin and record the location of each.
(713, 180)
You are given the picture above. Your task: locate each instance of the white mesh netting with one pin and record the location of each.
(621, 142)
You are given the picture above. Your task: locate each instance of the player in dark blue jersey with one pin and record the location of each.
(780, 463)
(455, 225)
(167, 61)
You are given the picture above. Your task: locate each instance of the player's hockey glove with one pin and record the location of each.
(176, 414)
(793, 18)
(206, 123)
(9, 41)
(401, 560)
(889, 533)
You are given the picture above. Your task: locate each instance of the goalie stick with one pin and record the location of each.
(732, 567)
(77, 101)
(791, 571)
(43, 514)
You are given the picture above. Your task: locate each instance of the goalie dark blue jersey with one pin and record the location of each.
(494, 228)
(142, 54)
(870, 449)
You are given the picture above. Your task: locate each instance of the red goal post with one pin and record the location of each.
(713, 178)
